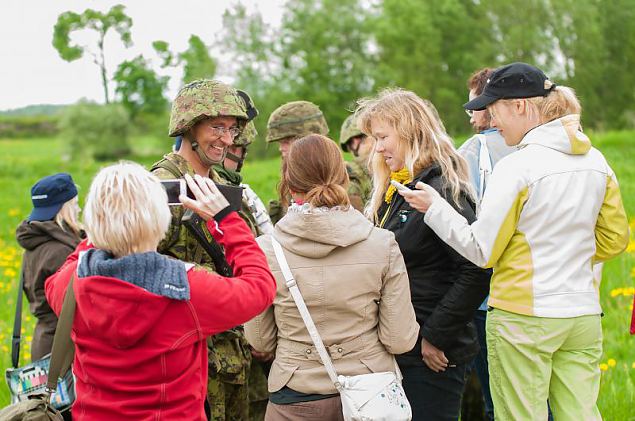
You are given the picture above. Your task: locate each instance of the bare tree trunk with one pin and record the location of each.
(102, 66)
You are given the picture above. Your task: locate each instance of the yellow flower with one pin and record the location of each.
(30, 338)
(604, 367)
(9, 272)
(611, 362)
(615, 292)
(14, 212)
(633, 365)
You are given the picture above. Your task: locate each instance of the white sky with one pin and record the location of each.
(31, 71)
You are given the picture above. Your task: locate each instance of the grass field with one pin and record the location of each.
(25, 161)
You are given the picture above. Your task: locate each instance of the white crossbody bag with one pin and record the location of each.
(366, 397)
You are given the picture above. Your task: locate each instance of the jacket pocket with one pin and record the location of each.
(378, 363)
(280, 374)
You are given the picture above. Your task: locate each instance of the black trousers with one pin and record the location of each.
(434, 396)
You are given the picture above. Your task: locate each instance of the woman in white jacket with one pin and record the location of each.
(551, 210)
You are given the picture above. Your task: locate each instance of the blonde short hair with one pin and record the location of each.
(126, 210)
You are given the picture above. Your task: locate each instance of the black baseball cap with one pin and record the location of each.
(516, 80)
(49, 195)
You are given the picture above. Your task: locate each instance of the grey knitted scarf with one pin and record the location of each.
(151, 271)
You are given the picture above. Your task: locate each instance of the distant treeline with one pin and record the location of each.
(332, 52)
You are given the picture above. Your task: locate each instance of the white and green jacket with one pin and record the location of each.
(551, 210)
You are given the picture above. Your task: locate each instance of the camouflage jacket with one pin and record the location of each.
(360, 186)
(227, 356)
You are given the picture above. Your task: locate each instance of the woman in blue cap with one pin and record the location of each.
(48, 236)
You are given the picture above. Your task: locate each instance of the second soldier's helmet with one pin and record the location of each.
(247, 136)
(249, 133)
(349, 130)
(296, 119)
(202, 99)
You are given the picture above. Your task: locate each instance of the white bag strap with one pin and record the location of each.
(304, 312)
(484, 166)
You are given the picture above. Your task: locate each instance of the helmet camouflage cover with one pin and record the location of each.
(296, 119)
(247, 136)
(201, 99)
(349, 130)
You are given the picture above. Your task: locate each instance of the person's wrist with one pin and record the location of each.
(220, 215)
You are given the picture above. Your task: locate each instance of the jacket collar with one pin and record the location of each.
(562, 134)
(317, 233)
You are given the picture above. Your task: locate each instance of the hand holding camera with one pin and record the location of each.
(208, 199)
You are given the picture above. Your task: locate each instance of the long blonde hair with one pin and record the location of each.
(421, 134)
(68, 216)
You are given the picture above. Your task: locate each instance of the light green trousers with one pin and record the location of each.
(532, 359)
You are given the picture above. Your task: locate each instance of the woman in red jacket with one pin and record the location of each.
(142, 318)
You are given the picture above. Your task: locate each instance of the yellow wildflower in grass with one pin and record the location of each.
(633, 365)
(5, 349)
(604, 367)
(615, 292)
(14, 212)
(611, 362)
(30, 338)
(10, 272)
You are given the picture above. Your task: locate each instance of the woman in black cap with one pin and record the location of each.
(551, 211)
(48, 236)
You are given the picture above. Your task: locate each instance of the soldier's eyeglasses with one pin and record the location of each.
(470, 113)
(219, 131)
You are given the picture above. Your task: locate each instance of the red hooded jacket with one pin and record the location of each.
(143, 356)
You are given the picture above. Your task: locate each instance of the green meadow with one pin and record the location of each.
(25, 161)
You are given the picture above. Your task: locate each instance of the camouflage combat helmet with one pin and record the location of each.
(201, 99)
(247, 136)
(349, 130)
(296, 119)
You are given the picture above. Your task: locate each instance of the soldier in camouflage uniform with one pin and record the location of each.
(208, 115)
(352, 139)
(258, 218)
(290, 122)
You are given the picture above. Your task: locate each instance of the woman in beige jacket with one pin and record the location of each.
(354, 282)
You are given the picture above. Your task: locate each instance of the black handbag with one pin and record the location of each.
(38, 393)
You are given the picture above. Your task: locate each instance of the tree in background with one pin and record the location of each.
(140, 88)
(196, 60)
(69, 22)
(94, 130)
(320, 53)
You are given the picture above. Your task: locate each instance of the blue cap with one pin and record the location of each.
(49, 195)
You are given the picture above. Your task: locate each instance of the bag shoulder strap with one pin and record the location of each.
(63, 351)
(304, 312)
(17, 324)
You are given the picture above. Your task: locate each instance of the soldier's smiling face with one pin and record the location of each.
(214, 136)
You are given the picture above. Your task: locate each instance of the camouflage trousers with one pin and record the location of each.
(227, 401)
(236, 383)
(258, 392)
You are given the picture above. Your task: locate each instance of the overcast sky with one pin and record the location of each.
(31, 71)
